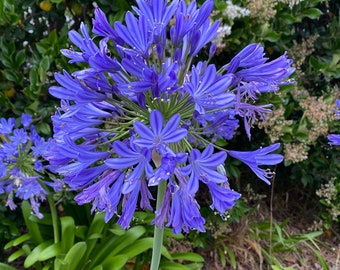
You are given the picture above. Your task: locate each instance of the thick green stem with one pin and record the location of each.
(54, 218)
(158, 233)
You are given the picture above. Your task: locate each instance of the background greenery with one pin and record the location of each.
(31, 35)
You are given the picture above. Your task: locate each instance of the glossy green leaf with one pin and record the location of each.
(50, 252)
(59, 264)
(18, 241)
(75, 256)
(20, 58)
(115, 262)
(95, 236)
(43, 128)
(45, 63)
(138, 247)
(97, 224)
(12, 76)
(117, 230)
(317, 64)
(94, 233)
(99, 267)
(172, 266)
(187, 256)
(312, 13)
(128, 238)
(67, 233)
(33, 257)
(113, 245)
(48, 266)
(32, 226)
(16, 254)
(272, 36)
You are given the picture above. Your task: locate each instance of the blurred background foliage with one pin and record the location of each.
(32, 32)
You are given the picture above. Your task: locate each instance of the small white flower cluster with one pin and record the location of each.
(233, 11)
(300, 51)
(262, 11)
(224, 30)
(274, 124)
(329, 193)
(319, 118)
(291, 3)
(296, 152)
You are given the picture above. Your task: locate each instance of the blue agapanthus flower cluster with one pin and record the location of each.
(139, 116)
(21, 163)
(334, 139)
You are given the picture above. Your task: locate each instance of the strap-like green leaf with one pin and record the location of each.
(67, 233)
(18, 240)
(94, 233)
(59, 264)
(172, 266)
(114, 244)
(15, 255)
(187, 256)
(33, 257)
(166, 253)
(115, 262)
(32, 226)
(97, 224)
(99, 267)
(138, 247)
(128, 238)
(75, 256)
(50, 252)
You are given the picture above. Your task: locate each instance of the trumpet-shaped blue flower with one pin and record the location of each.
(128, 157)
(184, 213)
(259, 157)
(159, 137)
(167, 167)
(203, 167)
(209, 91)
(223, 198)
(158, 15)
(137, 34)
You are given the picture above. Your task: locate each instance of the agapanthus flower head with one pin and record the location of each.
(21, 163)
(146, 112)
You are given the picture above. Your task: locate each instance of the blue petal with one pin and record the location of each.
(175, 136)
(121, 163)
(156, 122)
(270, 159)
(123, 150)
(171, 125)
(144, 142)
(143, 131)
